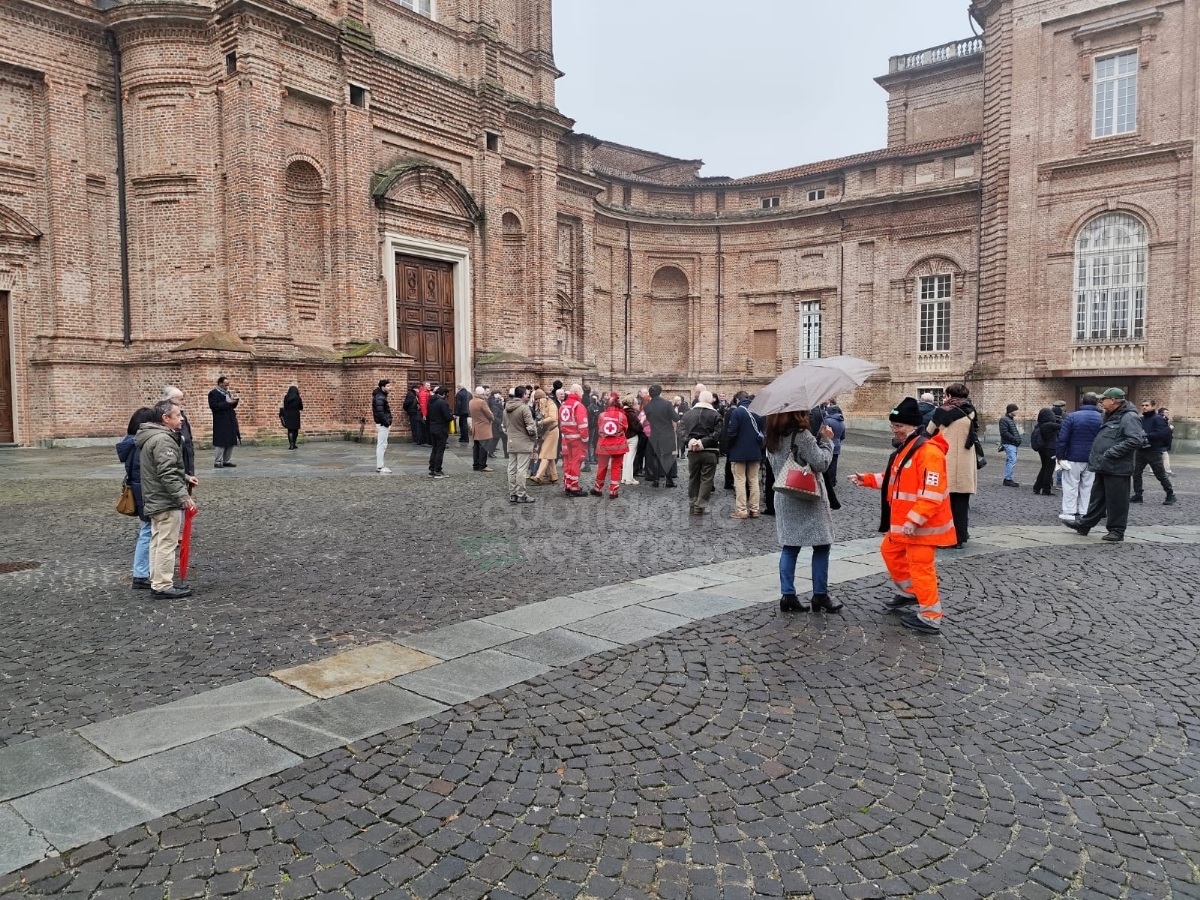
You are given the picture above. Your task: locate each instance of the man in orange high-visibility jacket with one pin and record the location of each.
(917, 517)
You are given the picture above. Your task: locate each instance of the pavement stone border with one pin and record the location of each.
(67, 789)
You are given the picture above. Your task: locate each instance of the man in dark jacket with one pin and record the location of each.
(927, 406)
(381, 412)
(170, 392)
(1010, 441)
(702, 426)
(225, 424)
(437, 420)
(660, 455)
(416, 420)
(1072, 449)
(1111, 458)
(462, 409)
(745, 438)
(1158, 436)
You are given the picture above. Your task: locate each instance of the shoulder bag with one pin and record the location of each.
(796, 479)
(127, 505)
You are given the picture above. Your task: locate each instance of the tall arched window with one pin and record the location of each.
(1110, 279)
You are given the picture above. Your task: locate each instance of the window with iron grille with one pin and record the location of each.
(1110, 279)
(935, 313)
(810, 329)
(1115, 94)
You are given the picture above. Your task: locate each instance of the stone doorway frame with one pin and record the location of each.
(8, 297)
(460, 260)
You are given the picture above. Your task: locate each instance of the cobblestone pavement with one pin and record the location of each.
(1041, 747)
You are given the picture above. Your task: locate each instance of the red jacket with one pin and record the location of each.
(612, 426)
(572, 419)
(918, 493)
(423, 400)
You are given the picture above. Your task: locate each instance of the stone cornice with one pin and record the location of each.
(1122, 159)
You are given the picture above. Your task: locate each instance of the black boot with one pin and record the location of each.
(825, 602)
(792, 603)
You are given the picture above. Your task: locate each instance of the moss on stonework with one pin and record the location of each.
(369, 348)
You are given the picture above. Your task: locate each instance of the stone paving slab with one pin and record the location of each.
(537, 617)
(698, 604)
(844, 570)
(354, 669)
(182, 721)
(752, 567)
(558, 647)
(312, 730)
(73, 814)
(615, 596)
(710, 574)
(674, 582)
(18, 846)
(453, 641)
(45, 762)
(626, 626)
(764, 589)
(465, 678)
(857, 547)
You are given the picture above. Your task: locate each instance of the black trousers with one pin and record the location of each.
(416, 425)
(1153, 459)
(639, 456)
(830, 476)
(438, 451)
(1045, 475)
(768, 487)
(462, 428)
(960, 508)
(1111, 493)
(480, 457)
(293, 435)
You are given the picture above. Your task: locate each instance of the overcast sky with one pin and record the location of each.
(746, 85)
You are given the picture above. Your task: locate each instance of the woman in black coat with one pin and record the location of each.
(1044, 440)
(289, 414)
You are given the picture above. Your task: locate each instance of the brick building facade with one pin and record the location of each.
(329, 193)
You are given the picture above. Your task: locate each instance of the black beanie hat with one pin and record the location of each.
(907, 412)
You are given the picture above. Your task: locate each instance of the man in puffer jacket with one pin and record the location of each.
(164, 494)
(1074, 444)
(1111, 458)
(1158, 438)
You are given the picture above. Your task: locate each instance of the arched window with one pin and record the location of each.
(1110, 279)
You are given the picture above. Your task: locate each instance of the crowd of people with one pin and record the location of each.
(1097, 456)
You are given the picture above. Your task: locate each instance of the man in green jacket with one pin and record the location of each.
(164, 494)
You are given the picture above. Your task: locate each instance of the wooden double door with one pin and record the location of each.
(6, 380)
(425, 317)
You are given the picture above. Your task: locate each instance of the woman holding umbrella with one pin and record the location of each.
(802, 522)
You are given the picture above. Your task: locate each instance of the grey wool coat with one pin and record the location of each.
(804, 523)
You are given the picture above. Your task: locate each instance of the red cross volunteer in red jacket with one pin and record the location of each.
(611, 446)
(918, 517)
(573, 427)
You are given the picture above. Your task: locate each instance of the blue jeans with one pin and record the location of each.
(820, 569)
(141, 553)
(1010, 460)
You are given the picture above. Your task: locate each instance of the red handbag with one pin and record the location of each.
(796, 479)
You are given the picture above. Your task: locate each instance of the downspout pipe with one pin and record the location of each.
(122, 204)
(720, 295)
(628, 289)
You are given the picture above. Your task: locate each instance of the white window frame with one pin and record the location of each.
(810, 329)
(1114, 93)
(935, 292)
(770, 202)
(816, 194)
(1112, 254)
(420, 7)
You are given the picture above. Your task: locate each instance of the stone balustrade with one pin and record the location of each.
(933, 55)
(1108, 355)
(934, 362)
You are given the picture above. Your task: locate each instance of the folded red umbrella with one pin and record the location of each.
(185, 542)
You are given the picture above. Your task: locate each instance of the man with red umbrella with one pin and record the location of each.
(164, 495)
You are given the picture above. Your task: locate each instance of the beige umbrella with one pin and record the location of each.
(812, 383)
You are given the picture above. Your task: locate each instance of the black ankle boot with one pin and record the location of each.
(825, 602)
(792, 603)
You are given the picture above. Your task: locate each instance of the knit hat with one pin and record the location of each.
(1113, 394)
(907, 412)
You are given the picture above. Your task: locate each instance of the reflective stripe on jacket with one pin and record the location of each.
(611, 427)
(573, 420)
(918, 493)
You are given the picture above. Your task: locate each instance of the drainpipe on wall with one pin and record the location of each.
(720, 297)
(842, 279)
(628, 289)
(122, 208)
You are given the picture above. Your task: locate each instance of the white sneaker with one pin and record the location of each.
(384, 471)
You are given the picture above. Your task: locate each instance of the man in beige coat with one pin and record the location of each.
(481, 429)
(958, 422)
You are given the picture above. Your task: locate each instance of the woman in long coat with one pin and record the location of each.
(802, 522)
(545, 412)
(958, 423)
(289, 414)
